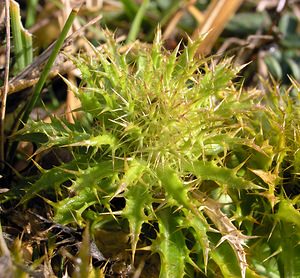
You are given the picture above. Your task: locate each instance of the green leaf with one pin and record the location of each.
(170, 67)
(289, 258)
(130, 7)
(248, 23)
(94, 141)
(70, 209)
(90, 185)
(294, 66)
(291, 41)
(223, 176)
(224, 257)
(35, 137)
(138, 198)
(200, 229)
(174, 187)
(288, 24)
(288, 213)
(50, 179)
(263, 260)
(284, 243)
(90, 176)
(170, 244)
(274, 66)
(133, 172)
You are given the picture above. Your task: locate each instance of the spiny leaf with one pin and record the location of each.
(174, 187)
(89, 186)
(50, 179)
(97, 141)
(200, 229)
(223, 255)
(232, 142)
(170, 244)
(138, 198)
(70, 209)
(224, 176)
(170, 66)
(288, 213)
(181, 133)
(133, 172)
(58, 132)
(96, 172)
(289, 258)
(268, 177)
(284, 245)
(220, 78)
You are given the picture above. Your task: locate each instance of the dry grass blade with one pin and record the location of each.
(217, 15)
(72, 102)
(30, 75)
(176, 18)
(6, 76)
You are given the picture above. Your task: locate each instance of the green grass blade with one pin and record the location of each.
(130, 7)
(17, 30)
(169, 12)
(136, 24)
(31, 12)
(39, 86)
(28, 49)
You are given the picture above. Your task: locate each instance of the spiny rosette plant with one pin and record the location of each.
(196, 159)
